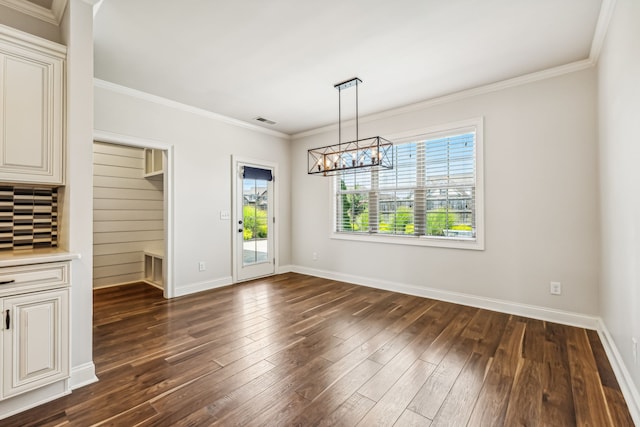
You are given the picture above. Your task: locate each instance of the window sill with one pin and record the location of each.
(475, 244)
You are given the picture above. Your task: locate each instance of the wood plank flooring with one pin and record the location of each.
(295, 350)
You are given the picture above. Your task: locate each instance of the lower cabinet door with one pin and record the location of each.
(35, 340)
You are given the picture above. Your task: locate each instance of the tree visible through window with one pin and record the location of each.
(430, 192)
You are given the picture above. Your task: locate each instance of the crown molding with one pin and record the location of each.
(113, 87)
(96, 6)
(51, 16)
(29, 41)
(602, 27)
(57, 8)
(606, 11)
(480, 90)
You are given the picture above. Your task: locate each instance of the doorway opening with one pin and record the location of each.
(132, 199)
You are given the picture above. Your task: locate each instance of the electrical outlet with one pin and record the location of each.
(555, 288)
(634, 349)
(224, 215)
(315, 256)
(202, 266)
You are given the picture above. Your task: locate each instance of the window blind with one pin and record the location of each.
(430, 192)
(249, 172)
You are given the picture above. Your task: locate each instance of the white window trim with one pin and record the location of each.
(440, 242)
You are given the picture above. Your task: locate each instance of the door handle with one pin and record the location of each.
(240, 230)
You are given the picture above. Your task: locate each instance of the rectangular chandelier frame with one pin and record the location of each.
(364, 153)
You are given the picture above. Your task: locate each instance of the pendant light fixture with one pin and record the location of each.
(366, 153)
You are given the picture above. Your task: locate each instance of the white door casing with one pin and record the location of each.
(254, 219)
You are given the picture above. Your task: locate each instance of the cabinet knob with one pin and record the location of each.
(8, 320)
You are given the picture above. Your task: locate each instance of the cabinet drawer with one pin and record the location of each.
(33, 277)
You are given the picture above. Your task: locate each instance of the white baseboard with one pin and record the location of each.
(629, 389)
(284, 269)
(150, 283)
(206, 285)
(113, 285)
(32, 399)
(503, 306)
(82, 375)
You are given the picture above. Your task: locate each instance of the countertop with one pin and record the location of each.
(35, 256)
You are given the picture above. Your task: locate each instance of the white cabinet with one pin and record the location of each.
(31, 109)
(34, 300)
(35, 340)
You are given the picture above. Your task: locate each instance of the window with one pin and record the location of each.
(432, 196)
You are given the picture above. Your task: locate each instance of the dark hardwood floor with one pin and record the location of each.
(298, 350)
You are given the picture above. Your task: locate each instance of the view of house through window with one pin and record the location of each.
(430, 192)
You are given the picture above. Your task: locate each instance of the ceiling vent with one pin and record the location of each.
(267, 121)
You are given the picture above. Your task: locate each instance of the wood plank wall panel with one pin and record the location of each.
(128, 214)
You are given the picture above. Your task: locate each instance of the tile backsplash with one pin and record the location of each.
(28, 217)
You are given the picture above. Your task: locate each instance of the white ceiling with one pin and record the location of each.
(279, 59)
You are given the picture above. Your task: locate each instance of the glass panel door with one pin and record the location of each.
(255, 222)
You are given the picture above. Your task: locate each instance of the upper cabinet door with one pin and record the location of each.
(31, 114)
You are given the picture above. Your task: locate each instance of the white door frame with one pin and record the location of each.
(133, 141)
(235, 160)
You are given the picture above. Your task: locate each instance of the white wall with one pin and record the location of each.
(203, 147)
(619, 120)
(541, 204)
(76, 210)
